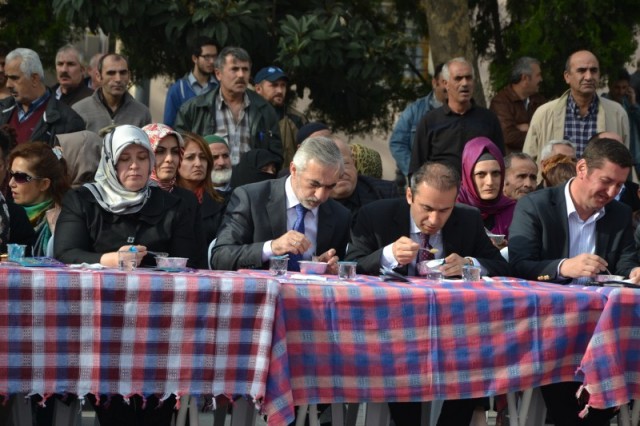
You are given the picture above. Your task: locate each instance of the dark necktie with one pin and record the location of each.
(425, 253)
(298, 225)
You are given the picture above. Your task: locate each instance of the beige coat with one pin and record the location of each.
(548, 123)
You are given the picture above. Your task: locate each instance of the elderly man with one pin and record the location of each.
(70, 74)
(31, 110)
(232, 111)
(222, 170)
(521, 174)
(515, 104)
(404, 132)
(354, 190)
(111, 104)
(579, 113)
(395, 233)
(291, 215)
(271, 83)
(570, 233)
(443, 132)
(199, 81)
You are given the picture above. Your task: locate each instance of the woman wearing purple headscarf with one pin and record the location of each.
(482, 182)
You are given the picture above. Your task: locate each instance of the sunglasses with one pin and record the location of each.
(21, 177)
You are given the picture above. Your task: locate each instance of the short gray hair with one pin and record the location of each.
(71, 48)
(518, 155)
(547, 150)
(30, 61)
(237, 52)
(523, 66)
(321, 149)
(461, 60)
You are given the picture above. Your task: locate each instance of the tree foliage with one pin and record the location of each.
(351, 57)
(550, 30)
(41, 31)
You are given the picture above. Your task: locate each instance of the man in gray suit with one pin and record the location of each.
(261, 217)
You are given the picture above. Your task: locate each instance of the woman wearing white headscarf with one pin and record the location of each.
(122, 209)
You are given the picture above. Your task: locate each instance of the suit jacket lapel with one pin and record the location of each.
(559, 205)
(277, 208)
(325, 227)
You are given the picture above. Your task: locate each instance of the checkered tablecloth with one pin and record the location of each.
(376, 341)
(64, 330)
(611, 363)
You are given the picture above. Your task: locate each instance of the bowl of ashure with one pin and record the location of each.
(312, 268)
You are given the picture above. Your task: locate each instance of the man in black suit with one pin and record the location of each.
(388, 233)
(571, 233)
(260, 217)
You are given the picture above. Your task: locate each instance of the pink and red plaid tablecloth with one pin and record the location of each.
(375, 341)
(611, 362)
(64, 330)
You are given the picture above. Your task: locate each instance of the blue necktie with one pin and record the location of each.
(301, 211)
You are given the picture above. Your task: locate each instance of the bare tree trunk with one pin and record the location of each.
(450, 36)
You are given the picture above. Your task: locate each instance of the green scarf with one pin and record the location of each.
(38, 219)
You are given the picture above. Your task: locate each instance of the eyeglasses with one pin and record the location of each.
(209, 57)
(21, 177)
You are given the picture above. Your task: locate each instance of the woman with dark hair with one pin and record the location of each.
(38, 181)
(482, 183)
(167, 145)
(194, 174)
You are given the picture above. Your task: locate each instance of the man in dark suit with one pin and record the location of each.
(571, 233)
(260, 217)
(388, 233)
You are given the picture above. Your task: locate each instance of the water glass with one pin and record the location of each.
(15, 251)
(347, 270)
(127, 260)
(471, 273)
(278, 266)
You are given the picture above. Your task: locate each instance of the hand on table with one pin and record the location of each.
(111, 258)
(583, 265)
(330, 257)
(634, 275)
(453, 265)
(292, 242)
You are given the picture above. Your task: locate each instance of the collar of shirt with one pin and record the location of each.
(575, 109)
(193, 82)
(223, 104)
(449, 111)
(58, 92)
(23, 115)
(571, 208)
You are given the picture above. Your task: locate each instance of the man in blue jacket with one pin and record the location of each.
(200, 80)
(404, 133)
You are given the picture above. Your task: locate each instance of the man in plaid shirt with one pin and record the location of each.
(579, 113)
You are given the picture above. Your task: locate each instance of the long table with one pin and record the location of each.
(371, 341)
(145, 332)
(303, 342)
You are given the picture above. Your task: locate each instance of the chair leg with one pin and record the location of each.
(244, 413)
(377, 414)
